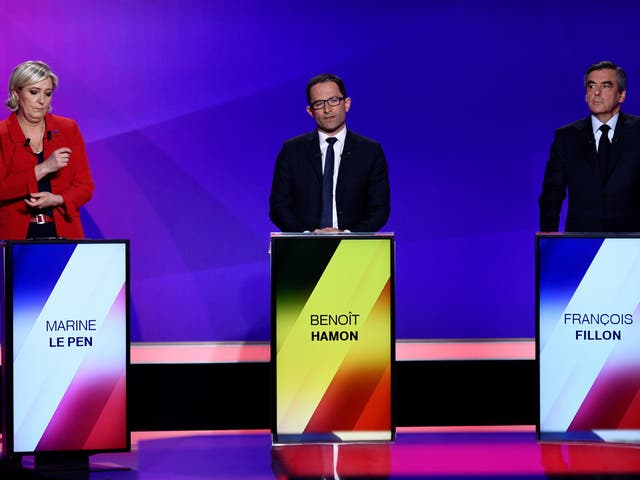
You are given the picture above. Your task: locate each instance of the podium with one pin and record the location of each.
(65, 349)
(332, 337)
(588, 337)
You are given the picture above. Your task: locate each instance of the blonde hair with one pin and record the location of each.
(27, 73)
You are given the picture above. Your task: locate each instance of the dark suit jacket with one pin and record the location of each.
(611, 204)
(362, 189)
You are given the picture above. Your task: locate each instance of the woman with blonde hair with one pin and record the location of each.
(44, 170)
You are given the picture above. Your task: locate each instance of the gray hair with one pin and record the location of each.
(27, 73)
(621, 76)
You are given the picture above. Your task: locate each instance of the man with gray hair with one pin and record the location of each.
(596, 161)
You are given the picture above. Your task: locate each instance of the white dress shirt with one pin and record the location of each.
(338, 147)
(596, 124)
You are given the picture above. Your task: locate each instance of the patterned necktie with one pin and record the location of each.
(604, 151)
(327, 185)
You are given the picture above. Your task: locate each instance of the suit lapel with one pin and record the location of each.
(15, 132)
(345, 162)
(616, 151)
(313, 154)
(53, 137)
(590, 153)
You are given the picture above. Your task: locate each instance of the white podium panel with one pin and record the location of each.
(65, 346)
(588, 337)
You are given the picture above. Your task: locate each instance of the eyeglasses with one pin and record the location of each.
(333, 102)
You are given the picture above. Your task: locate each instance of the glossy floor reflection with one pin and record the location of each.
(416, 453)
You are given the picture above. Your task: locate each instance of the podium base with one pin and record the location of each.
(61, 461)
(69, 465)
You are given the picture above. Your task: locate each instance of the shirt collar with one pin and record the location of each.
(596, 124)
(341, 136)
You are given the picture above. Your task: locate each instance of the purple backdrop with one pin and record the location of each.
(184, 106)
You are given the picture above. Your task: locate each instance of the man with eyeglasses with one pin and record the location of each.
(597, 161)
(331, 179)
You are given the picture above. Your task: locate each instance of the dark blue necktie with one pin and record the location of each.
(327, 185)
(604, 149)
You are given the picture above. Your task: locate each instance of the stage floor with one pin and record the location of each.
(444, 453)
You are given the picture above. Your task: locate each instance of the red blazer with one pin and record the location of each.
(18, 178)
